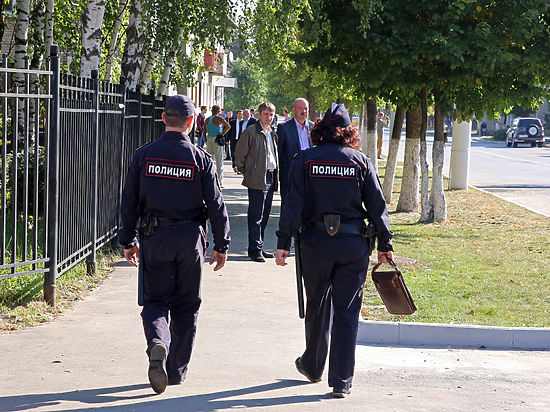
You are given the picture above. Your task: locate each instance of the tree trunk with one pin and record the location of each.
(48, 29)
(391, 163)
(112, 55)
(426, 212)
(147, 69)
(2, 19)
(38, 52)
(165, 79)
(21, 35)
(363, 128)
(371, 132)
(133, 50)
(408, 198)
(437, 195)
(312, 104)
(91, 20)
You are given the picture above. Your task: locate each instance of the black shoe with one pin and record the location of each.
(257, 258)
(158, 377)
(298, 364)
(340, 392)
(268, 255)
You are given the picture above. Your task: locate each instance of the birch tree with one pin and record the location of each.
(133, 50)
(48, 26)
(113, 52)
(92, 21)
(408, 197)
(391, 162)
(21, 34)
(426, 211)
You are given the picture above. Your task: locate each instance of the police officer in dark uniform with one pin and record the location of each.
(333, 189)
(169, 184)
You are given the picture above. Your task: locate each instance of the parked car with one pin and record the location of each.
(525, 130)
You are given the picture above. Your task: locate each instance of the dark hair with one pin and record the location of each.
(173, 119)
(345, 136)
(215, 109)
(203, 107)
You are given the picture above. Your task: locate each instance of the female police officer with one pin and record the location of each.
(333, 189)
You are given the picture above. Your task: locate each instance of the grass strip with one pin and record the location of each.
(22, 300)
(488, 264)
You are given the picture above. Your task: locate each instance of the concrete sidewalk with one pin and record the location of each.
(93, 357)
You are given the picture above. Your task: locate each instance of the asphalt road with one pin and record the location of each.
(520, 175)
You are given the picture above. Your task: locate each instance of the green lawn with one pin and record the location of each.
(489, 264)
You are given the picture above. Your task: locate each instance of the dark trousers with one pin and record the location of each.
(259, 208)
(334, 271)
(172, 257)
(232, 145)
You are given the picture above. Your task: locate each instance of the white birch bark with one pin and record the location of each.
(372, 151)
(426, 210)
(147, 69)
(133, 50)
(426, 213)
(48, 26)
(91, 20)
(165, 79)
(408, 198)
(437, 194)
(391, 162)
(112, 55)
(21, 34)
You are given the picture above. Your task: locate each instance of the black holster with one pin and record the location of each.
(147, 225)
(370, 235)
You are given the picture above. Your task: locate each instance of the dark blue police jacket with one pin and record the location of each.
(172, 178)
(333, 179)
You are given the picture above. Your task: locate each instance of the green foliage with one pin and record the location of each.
(252, 86)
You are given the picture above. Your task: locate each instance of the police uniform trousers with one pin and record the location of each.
(217, 152)
(173, 258)
(334, 271)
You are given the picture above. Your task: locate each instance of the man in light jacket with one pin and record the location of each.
(256, 159)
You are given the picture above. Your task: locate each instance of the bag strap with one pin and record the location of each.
(390, 262)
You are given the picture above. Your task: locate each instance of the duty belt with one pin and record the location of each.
(347, 228)
(164, 221)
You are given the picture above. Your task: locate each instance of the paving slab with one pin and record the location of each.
(93, 356)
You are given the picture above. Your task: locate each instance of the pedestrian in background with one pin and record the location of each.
(286, 115)
(201, 118)
(381, 122)
(293, 136)
(256, 159)
(333, 189)
(215, 129)
(234, 134)
(168, 185)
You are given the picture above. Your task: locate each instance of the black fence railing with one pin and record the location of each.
(66, 144)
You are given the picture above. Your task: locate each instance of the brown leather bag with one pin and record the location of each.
(393, 291)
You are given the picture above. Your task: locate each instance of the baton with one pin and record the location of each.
(299, 280)
(140, 279)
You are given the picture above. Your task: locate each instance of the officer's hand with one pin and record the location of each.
(219, 258)
(280, 257)
(384, 257)
(132, 255)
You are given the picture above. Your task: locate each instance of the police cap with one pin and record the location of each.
(180, 104)
(336, 116)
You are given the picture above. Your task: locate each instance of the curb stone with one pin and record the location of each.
(434, 334)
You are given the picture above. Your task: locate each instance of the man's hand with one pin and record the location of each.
(281, 256)
(132, 255)
(219, 258)
(384, 257)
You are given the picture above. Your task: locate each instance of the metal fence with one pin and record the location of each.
(66, 144)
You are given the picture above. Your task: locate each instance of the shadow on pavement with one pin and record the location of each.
(89, 396)
(207, 402)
